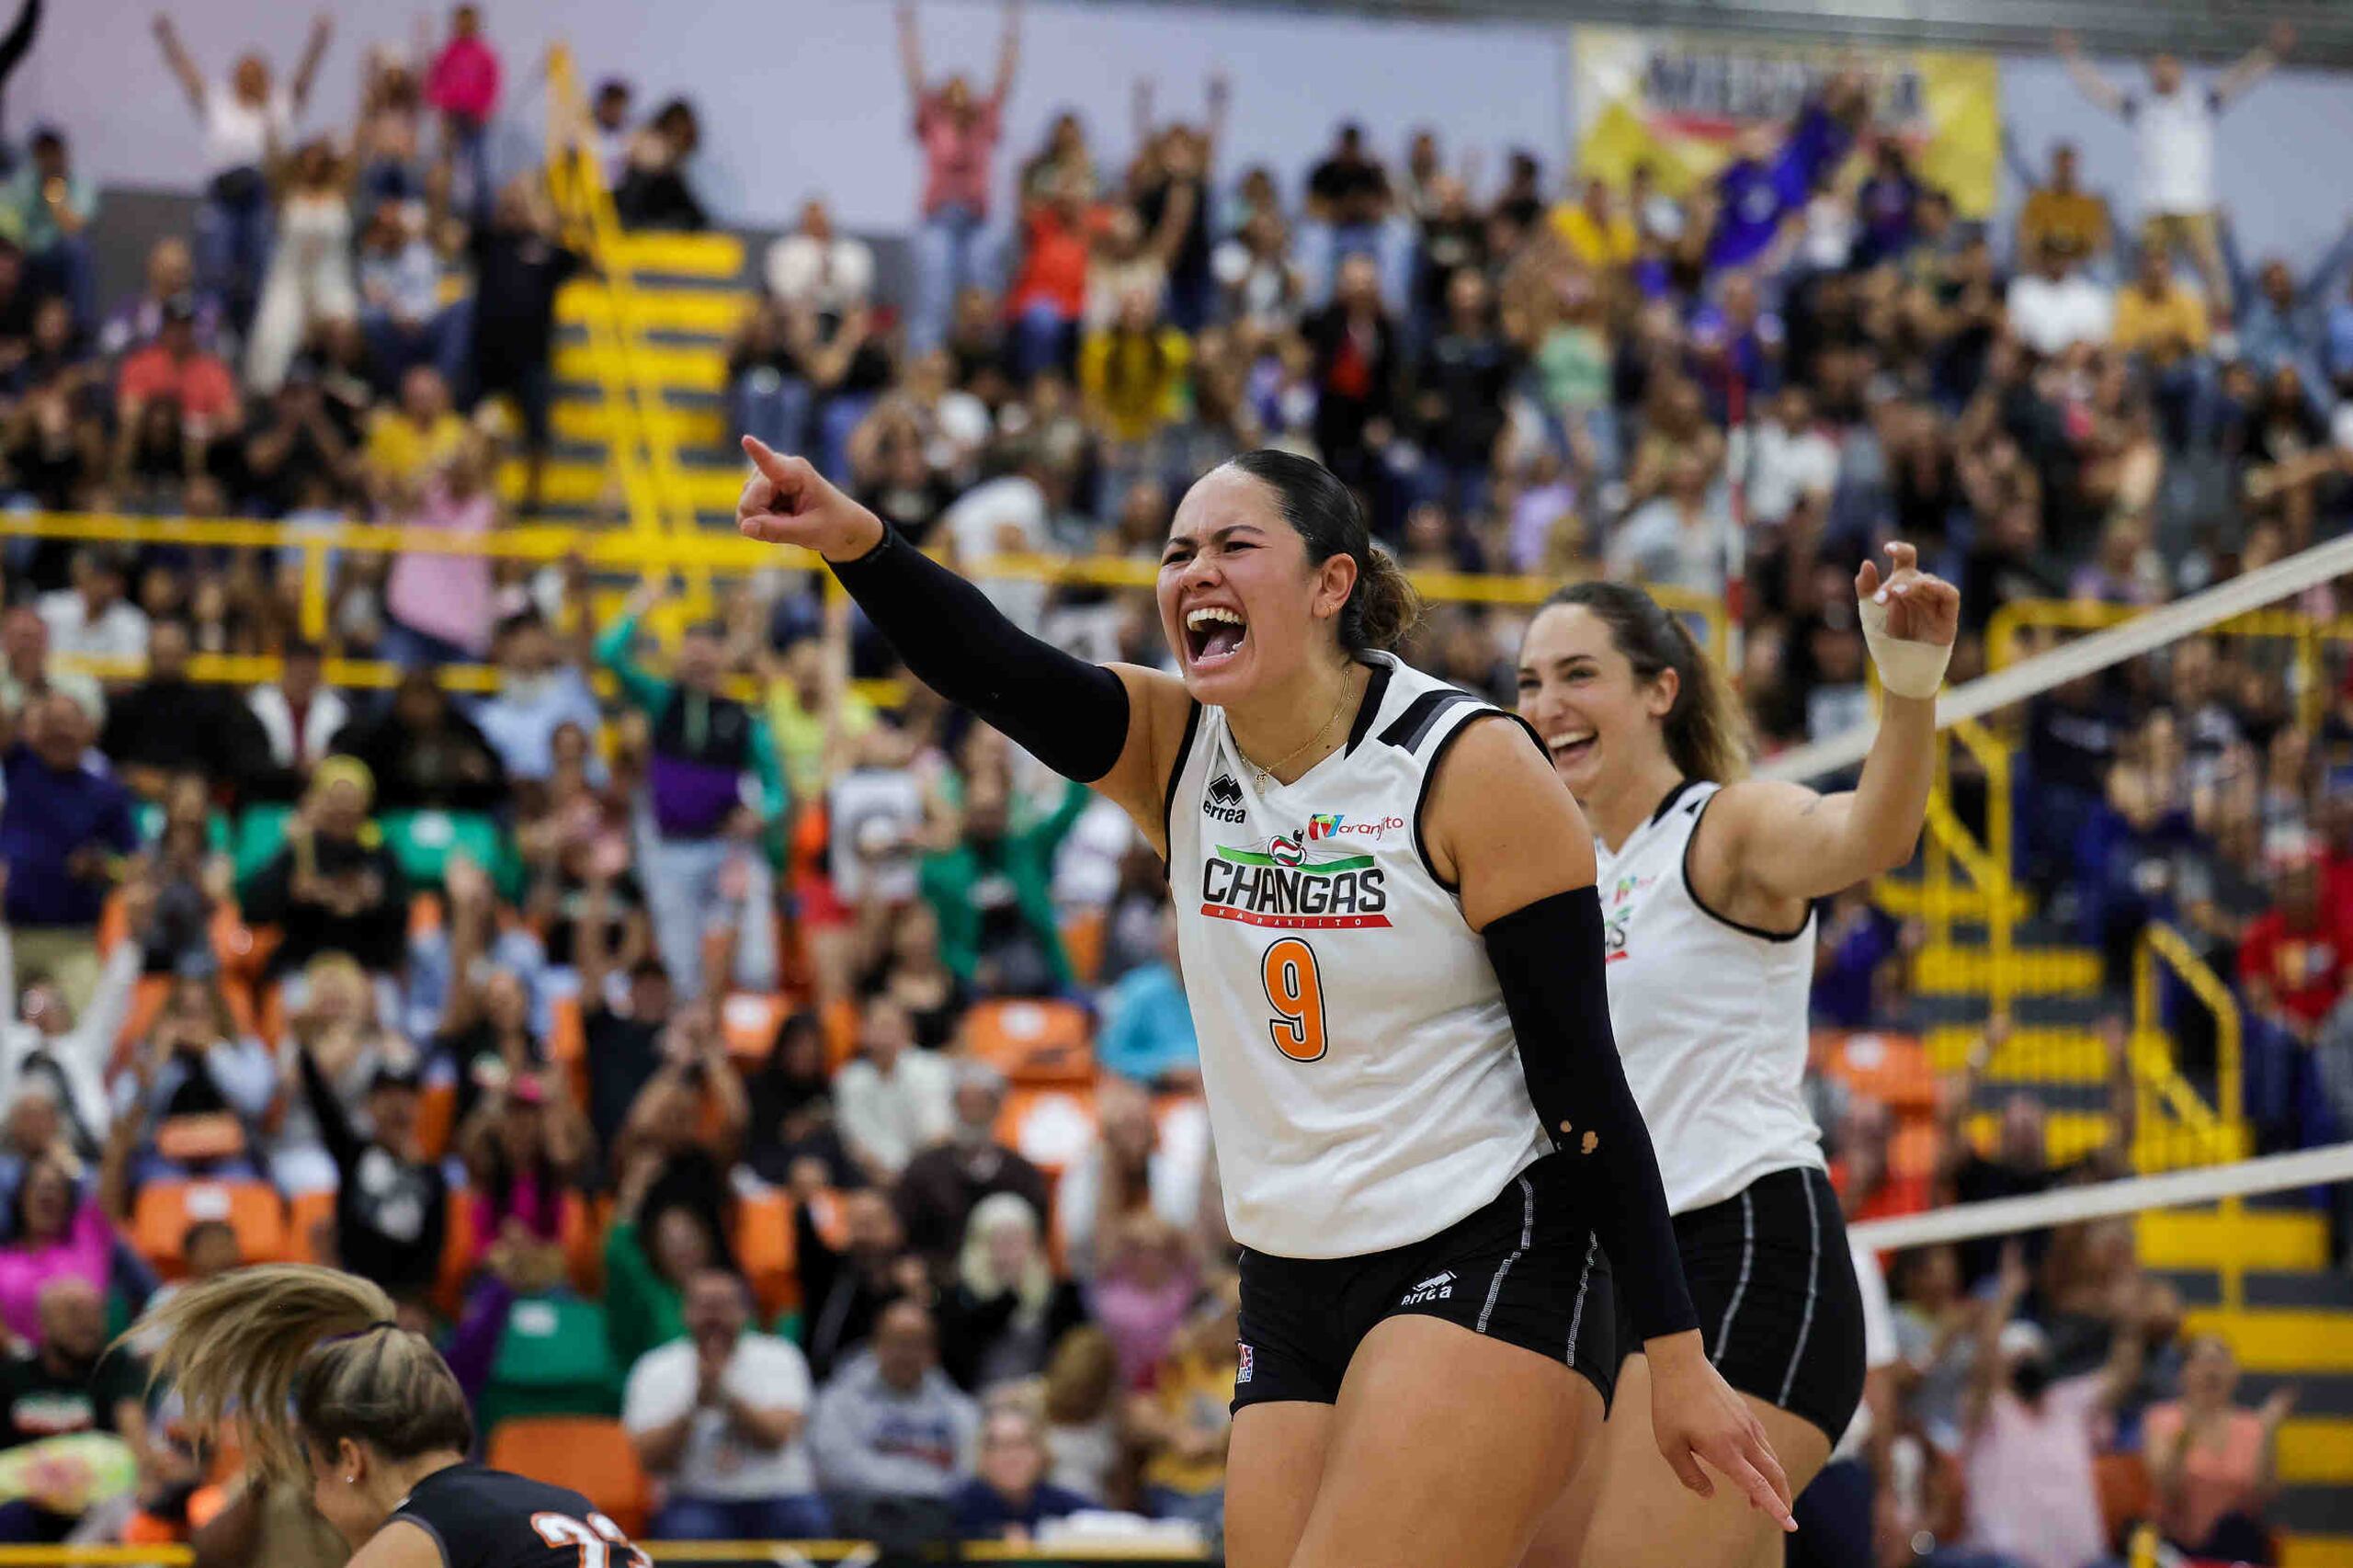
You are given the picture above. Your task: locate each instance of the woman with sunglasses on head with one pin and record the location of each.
(1707, 918)
(1392, 948)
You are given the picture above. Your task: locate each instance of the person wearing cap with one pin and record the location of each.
(2294, 965)
(174, 366)
(713, 788)
(334, 887)
(52, 206)
(392, 1201)
(2029, 1437)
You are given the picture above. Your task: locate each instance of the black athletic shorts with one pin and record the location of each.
(1774, 1282)
(1524, 1268)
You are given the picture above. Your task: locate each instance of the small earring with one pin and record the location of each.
(351, 1481)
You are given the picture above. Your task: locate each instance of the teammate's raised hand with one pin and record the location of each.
(1921, 606)
(787, 501)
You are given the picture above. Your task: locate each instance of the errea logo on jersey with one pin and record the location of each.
(1222, 800)
(1437, 1287)
(1332, 824)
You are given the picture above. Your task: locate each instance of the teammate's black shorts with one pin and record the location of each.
(1780, 1309)
(1524, 1268)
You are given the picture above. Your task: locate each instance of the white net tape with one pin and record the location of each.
(2131, 1194)
(2087, 656)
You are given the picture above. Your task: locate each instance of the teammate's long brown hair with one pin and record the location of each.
(294, 1354)
(1707, 730)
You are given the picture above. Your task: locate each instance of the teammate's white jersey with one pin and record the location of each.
(1364, 1089)
(1710, 1016)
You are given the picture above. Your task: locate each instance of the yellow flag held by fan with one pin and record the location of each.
(1681, 102)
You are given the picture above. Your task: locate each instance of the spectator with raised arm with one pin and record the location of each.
(462, 83)
(2214, 1464)
(249, 123)
(334, 888)
(2173, 127)
(713, 790)
(957, 131)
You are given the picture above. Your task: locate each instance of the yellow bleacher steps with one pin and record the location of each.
(587, 424)
(674, 368)
(2291, 1341)
(2316, 1452)
(2045, 1054)
(1942, 969)
(682, 255)
(584, 484)
(710, 312)
(2205, 1238)
(2316, 1551)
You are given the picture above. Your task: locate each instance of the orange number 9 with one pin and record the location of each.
(1295, 990)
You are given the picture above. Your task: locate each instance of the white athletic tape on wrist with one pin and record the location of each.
(2086, 655)
(1906, 667)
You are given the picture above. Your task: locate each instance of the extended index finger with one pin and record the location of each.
(767, 460)
(1755, 1470)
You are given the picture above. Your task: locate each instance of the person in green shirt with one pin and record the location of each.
(710, 757)
(993, 893)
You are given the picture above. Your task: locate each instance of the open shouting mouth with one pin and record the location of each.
(1213, 634)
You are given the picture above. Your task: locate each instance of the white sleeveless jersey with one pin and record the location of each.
(1364, 1088)
(1710, 1016)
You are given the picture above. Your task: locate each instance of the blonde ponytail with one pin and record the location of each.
(296, 1355)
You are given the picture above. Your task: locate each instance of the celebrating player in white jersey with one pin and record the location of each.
(1392, 946)
(1706, 885)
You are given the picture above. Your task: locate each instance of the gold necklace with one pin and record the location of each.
(1347, 684)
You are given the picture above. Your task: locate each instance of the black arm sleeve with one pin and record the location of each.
(1069, 714)
(1548, 959)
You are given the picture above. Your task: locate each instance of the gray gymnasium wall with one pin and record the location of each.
(804, 96)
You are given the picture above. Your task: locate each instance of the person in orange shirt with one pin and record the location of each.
(2214, 1464)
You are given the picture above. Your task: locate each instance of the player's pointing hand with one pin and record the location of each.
(787, 501)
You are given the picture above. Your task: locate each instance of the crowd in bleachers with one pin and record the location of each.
(804, 1082)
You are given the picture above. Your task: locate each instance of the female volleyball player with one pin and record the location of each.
(309, 1365)
(1708, 888)
(1392, 949)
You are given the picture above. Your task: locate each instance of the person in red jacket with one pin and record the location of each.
(2294, 964)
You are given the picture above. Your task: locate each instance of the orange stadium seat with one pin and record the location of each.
(1083, 944)
(1032, 1042)
(165, 1209)
(587, 1453)
(1049, 1127)
(2125, 1493)
(749, 1021)
(762, 1238)
(309, 1227)
(1893, 1069)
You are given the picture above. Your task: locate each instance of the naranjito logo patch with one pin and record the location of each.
(1291, 886)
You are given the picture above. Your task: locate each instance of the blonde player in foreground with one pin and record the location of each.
(1709, 882)
(309, 1365)
(1393, 951)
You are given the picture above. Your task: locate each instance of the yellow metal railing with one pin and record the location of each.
(2006, 633)
(616, 552)
(569, 175)
(636, 413)
(2162, 1094)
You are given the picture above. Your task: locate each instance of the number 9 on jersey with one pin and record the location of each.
(1295, 990)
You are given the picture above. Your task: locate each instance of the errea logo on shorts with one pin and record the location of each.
(1332, 824)
(1437, 1287)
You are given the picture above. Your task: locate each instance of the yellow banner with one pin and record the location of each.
(1682, 101)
